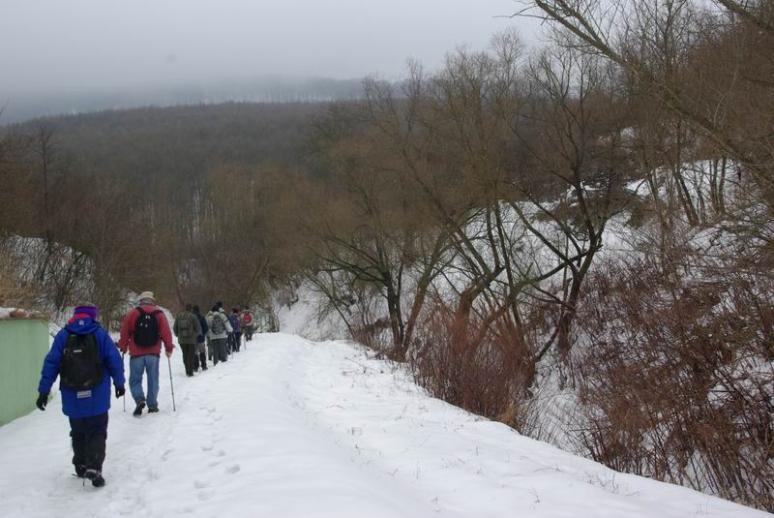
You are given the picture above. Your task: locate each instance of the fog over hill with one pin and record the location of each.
(87, 55)
(20, 107)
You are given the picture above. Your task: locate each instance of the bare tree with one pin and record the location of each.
(614, 29)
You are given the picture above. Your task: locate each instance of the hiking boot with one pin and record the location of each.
(153, 410)
(138, 410)
(95, 476)
(80, 471)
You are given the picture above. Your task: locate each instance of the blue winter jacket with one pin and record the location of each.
(203, 323)
(235, 323)
(97, 400)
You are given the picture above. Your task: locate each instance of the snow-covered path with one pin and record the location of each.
(290, 428)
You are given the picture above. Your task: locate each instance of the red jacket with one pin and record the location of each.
(127, 333)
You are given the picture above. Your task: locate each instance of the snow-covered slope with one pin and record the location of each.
(291, 428)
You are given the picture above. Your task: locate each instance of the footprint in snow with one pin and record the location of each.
(205, 495)
(207, 448)
(233, 469)
(201, 484)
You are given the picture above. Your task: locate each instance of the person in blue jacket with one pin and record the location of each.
(201, 351)
(85, 358)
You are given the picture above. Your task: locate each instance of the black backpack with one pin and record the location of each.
(146, 328)
(81, 367)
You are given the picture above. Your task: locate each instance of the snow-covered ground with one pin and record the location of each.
(292, 428)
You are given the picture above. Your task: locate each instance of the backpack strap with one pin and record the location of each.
(142, 312)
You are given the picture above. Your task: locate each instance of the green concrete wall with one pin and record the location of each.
(23, 345)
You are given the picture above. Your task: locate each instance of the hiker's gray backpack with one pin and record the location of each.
(186, 328)
(218, 327)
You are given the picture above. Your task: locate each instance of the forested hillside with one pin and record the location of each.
(176, 142)
(99, 187)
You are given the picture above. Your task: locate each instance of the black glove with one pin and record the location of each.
(120, 391)
(42, 400)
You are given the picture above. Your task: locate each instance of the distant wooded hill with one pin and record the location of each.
(180, 141)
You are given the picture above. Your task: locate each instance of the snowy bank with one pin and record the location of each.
(292, 428)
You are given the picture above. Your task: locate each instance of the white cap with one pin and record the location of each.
(147, 295)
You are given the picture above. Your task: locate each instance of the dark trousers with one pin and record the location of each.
(220, 353)
(200, 357)
(89, 435)
(237, 341)
(189, 357)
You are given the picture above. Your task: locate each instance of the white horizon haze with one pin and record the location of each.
(54, 46)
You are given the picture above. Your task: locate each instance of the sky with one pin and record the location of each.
(59, 45)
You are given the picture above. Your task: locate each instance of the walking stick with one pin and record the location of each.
(171, 385)
(124, 364)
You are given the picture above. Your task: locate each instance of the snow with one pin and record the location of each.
(304, 318)
(293, 428)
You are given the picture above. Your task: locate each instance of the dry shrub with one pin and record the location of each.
(374, 335)
(12, 291)
(360, 306)
(484, 371)
(677, 378)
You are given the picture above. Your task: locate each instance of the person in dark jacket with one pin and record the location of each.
(201, 348)
(86, 404)
(236, 325)
(187, 330)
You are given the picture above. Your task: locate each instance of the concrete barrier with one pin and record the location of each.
(23, 345)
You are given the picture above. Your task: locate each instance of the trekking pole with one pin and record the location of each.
(122, 361)
(171, 385)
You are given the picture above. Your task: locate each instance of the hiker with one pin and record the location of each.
(187, 329)
(143, 330)
(85, 358)
(211, 349)
(200, 358)
(236, 325)
(247, 324)
(219, 328)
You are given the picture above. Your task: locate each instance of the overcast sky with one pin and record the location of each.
(50, 45)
